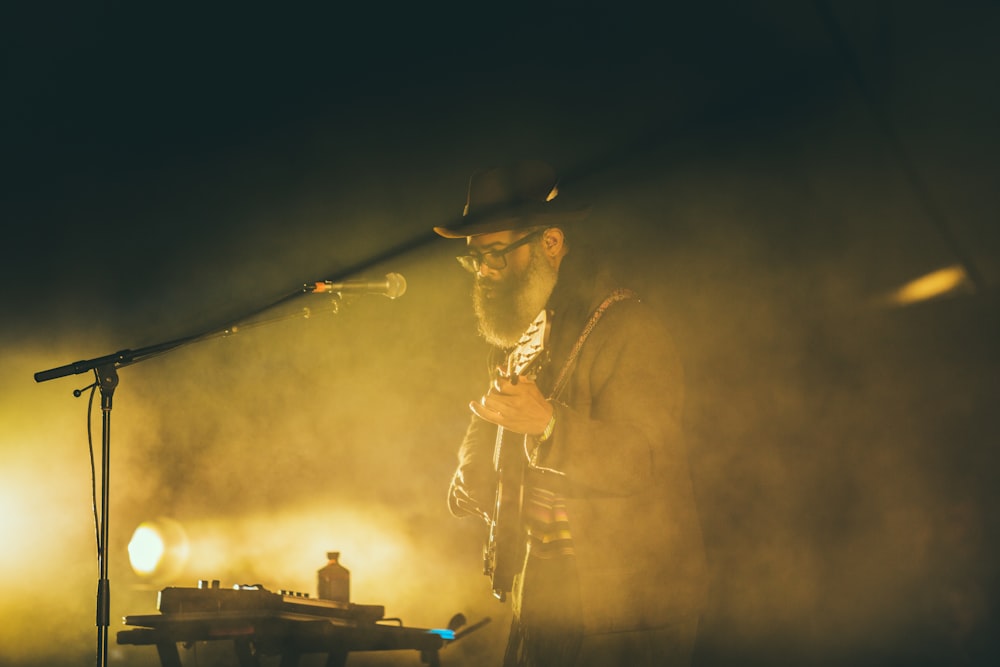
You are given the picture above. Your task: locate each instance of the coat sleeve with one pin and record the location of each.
(617, 423)
(474, 478)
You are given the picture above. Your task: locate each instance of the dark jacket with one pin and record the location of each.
(618, 456)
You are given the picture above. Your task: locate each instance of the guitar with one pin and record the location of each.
(504, 550)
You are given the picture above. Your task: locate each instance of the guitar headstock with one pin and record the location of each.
(529, 347)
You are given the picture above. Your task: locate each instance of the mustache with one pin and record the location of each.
(502, 285)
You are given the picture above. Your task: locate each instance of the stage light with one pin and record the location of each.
(935, 284)
(158, 549)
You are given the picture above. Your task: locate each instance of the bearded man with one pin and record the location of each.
(576, 443)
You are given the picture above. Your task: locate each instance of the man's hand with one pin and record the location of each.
(463, 500)
(517, 406)
(462, 503)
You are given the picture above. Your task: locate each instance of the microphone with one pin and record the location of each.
(393, 286)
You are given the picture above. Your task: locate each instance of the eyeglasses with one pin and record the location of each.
(494, 259)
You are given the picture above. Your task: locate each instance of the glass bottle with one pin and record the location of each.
(334, 580)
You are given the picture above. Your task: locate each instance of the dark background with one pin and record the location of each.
(767, 172)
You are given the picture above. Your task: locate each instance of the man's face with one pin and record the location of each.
(506, 300)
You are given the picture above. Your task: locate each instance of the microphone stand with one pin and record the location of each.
(106, 372)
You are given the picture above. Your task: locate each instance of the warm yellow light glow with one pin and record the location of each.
(285, 549)
(934, 284)
(158, 549)
(145, 550)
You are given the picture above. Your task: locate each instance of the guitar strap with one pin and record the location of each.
(614, 297)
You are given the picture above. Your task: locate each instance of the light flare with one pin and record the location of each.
(931, 286)
(158, 549)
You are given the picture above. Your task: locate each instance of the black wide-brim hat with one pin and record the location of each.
(516, 196)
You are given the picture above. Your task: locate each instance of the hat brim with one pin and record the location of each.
(544, 215)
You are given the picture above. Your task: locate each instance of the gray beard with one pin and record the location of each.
(516, 300)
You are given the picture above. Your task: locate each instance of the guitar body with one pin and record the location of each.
(503, 553)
